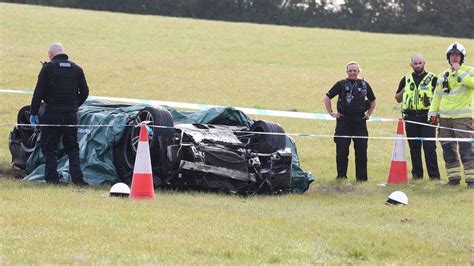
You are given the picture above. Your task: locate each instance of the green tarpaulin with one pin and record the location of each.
(104, 126)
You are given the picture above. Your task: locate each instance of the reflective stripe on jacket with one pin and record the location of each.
(453, 94)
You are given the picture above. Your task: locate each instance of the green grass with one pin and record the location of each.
(235, 64)
(336, 223)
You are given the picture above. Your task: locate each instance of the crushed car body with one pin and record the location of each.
(220, 149)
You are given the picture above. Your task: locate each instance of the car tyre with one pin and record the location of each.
(28, 134)
(124, 158)
(267, 143)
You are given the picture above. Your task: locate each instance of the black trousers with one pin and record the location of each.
(351, 126)
(429, 147)
(50, 137)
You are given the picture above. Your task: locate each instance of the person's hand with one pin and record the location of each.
(34, 120)
(366, 116)
(434, 120)
(455, 67)
(335, 115)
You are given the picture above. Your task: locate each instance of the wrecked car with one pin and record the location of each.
(220, 149)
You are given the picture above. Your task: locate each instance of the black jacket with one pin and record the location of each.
(61, 85)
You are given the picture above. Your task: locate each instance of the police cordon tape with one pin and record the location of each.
(259, 133)
(251, 111)
(263, 112)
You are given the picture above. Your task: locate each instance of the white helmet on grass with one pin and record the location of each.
(119, 190)
(397, 198)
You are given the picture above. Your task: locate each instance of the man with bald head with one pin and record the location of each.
(63, 88)
(415, 92)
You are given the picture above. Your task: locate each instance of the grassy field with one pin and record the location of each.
(235, 64)
(330, 223)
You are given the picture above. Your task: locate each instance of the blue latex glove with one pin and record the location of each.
(34, 119)
(150, 132)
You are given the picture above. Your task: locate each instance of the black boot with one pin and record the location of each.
(54, 181)
(454, 182)
(79, 182)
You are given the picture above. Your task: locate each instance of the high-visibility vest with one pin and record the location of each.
(416, 98)
(453, 94)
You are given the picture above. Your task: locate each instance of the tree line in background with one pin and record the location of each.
(432, 17)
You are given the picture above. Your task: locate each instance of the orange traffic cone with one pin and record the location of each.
(398, 166)
(142, 180)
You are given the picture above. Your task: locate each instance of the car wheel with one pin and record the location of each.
(124, 158)
(267, 143)
(155, 117)
(28, 134)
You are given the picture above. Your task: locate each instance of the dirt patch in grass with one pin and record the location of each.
(328, 189)
(8, 172)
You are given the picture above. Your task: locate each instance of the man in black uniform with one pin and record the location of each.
(63, 87)
(415, 92)
(355, 105)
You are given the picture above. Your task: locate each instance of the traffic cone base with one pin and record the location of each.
(142, 187)
(398, 173)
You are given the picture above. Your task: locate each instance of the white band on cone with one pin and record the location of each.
(142, 161)
(398, 153)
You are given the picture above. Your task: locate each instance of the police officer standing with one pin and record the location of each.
(63, 88)
(355, 105)
(415, 92)
(453, 103)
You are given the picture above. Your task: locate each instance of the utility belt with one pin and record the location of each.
(415, 112)
(60, 109)
(352, 118)
(356, 114)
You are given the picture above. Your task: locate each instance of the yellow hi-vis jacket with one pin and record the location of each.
(455, 101)
(416, 98)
